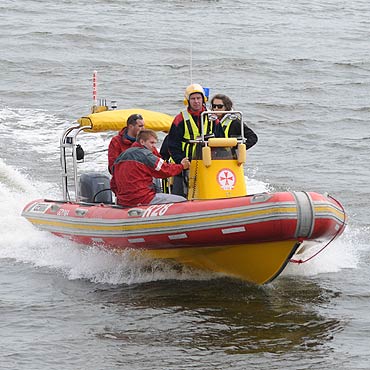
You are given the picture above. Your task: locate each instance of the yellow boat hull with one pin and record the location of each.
(258, 263)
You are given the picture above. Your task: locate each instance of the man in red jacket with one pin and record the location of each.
(133, 173)
(125, 138)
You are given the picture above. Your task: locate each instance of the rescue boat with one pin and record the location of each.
(220, 228)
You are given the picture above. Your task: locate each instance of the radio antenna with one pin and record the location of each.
(94, 91)
(191, 62)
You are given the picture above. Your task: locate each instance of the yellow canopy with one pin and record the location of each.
(115, 120)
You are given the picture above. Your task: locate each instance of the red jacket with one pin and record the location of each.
(133, 174)
(119, 143)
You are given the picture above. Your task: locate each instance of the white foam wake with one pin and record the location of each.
(24, 243)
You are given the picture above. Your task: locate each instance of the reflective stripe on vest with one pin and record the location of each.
(226, 123)
(191, 132)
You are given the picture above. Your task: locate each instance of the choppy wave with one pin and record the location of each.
(298, 71)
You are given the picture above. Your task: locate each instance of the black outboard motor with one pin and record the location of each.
(94, 187)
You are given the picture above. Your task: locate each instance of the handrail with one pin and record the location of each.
(68, 139)
(213, 115)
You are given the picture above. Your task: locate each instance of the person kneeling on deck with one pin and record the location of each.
(133, 173)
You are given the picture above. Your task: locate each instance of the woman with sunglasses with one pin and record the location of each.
(232, 127)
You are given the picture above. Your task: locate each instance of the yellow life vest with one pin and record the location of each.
(226, 123)
(191, 132)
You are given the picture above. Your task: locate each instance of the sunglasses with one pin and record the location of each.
(219, 106)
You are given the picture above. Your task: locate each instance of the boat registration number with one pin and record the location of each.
(156, 210)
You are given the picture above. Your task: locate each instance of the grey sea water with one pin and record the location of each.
(299, 71)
